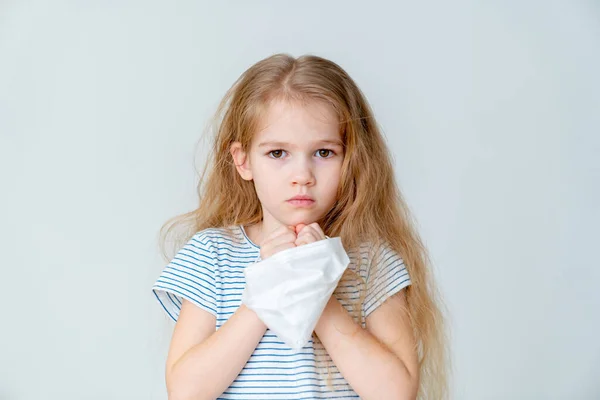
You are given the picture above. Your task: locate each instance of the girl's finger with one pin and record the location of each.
(318, 229)
(303, 241)
(315, 231)
(276, 232)
(306, 238)
(286, 237)
(299, 227)
(281, 247)
(308, 232)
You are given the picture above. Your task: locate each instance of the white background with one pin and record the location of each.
(492, 110)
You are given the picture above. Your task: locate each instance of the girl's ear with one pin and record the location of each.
(241, 160)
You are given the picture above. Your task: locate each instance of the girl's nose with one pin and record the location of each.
(303, 174)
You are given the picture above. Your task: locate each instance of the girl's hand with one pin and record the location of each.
(308, 233)
(280, 239)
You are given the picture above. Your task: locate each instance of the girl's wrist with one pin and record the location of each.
(248, 312)
(329, 309)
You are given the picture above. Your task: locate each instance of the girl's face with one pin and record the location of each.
(296, 151)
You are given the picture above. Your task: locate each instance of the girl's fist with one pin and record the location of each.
(308, 234)
(280, 239)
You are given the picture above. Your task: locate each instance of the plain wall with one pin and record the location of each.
(492, 111)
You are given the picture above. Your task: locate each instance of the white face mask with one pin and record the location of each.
(289, 290)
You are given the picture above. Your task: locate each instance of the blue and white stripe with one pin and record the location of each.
(209, 272)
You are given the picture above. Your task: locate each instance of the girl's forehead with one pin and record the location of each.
(292, 118)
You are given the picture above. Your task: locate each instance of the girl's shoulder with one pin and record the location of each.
(373, 251)
(215, 236)
(211, 234)
(227, 243)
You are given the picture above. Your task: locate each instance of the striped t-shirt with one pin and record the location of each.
(209, 272)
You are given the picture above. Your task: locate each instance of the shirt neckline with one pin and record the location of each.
(247, 238)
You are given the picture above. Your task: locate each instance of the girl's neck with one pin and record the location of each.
(254, 233)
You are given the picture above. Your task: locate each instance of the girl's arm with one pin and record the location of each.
(379, 362)
(202, 363)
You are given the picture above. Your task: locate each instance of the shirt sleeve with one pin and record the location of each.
(388, 278)
(191, 276)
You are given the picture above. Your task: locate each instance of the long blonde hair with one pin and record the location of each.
(369, 206)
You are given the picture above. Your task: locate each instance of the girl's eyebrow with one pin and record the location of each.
(336, 142)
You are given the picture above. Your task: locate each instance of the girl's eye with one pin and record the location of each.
(275, 151)
(326, 150)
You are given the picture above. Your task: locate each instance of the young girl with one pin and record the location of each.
(297, 156)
